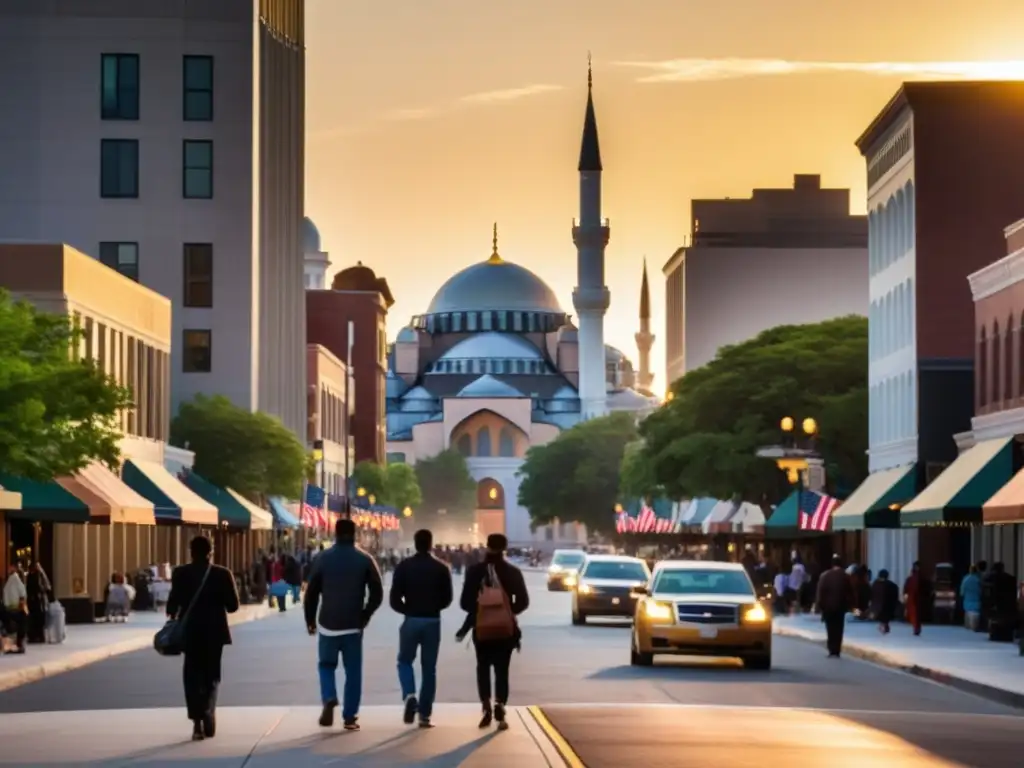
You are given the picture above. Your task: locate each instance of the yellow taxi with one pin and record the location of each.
(697, 608)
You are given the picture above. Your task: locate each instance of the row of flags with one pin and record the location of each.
(320, 511)
(646, 521)
(814, 514)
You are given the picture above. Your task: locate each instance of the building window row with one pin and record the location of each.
(120, 167)
(120, 86)
(497, 320)
(481, 444)
(891, 321)
(889, 155)
(332, 417)
(891, 229)
(197, 259)
(998, 362)
(892, 409)
(478, 366)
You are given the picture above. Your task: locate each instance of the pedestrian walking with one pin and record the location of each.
(493, 596)
(885, 598)
(421, 588)
(970, 596)
(344, 591)
(916, 593)
(835, 598)
(16, 606)
(207, 593)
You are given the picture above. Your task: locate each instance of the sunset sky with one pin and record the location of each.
(428, 120)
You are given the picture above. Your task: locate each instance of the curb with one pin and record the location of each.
(982, 690)
(19, 677)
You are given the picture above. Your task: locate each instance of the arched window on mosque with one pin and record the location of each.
(506, 443)
(483, 442)
(465, 445)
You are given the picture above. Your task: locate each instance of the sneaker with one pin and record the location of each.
(411, 706)
(327, 714)
(425, 722)
(488, 718)
(351, 724)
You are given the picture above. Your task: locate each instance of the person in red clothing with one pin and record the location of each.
(916, 591)
(278, 586)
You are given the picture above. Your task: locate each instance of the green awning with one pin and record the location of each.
(958, 494)
(44, 502)
(876, 502)
(785, 520)
(230, 511)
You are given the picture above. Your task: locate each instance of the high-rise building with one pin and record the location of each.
(782, 256)
(167, 139)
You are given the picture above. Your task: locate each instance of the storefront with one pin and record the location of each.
(1003, 517)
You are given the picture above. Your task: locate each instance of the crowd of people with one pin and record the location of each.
(27, 596)
(344, 588)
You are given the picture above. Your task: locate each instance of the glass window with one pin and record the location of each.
(119, 168)
(503, 321)
(457, 322)
(568, 559)
(197, 178)
(198, 88)
(517, 321)
(465, 445)
(198, 287)
(472, 319)
(483, 442)
(119, 86)
(627, 570)
(506, 443)
(488, 320)
(196, 356)
(123, 257)
(697, 582)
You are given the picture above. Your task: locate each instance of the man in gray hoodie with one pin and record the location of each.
(344, 591)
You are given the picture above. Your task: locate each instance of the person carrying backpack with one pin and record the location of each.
(493, 595)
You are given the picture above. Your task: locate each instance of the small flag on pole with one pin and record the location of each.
(314, 514)
(816, 511)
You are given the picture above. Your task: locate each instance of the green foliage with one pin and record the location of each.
(445, 482)
(56, 413)
(251, 453)
(575, 477)
(636, 475)
(402, 486)
(369, 477)
(705, 440)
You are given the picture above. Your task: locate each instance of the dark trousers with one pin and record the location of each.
(835, 624)
(17, 622)
(496, 655)
(201, 674)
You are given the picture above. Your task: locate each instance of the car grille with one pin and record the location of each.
(613, 591)
(702, 613)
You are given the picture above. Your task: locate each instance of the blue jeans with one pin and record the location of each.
(296, 593)
(350, 647)
(425, 635)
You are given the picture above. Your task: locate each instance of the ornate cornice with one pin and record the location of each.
(999, 275)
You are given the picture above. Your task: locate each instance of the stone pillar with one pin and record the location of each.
(118, 548)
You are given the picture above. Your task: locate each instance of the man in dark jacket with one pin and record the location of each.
(493, 654)
(885, 599)
(835, 599)
(211, 592)
(344, 592)
(420, 589)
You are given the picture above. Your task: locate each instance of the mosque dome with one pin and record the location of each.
(493, 346)
(488, 386)
(407, 336)
(310, 236)
(494, 284)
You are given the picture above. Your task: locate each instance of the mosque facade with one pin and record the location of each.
(495, 365)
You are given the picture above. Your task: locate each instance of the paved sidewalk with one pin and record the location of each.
(261, 737)
(946, 654)
(89, 643)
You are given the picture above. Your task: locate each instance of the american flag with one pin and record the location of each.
(816, 510)
(314, 515)
(646, 520)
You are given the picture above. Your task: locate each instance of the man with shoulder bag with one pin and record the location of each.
(493, 595)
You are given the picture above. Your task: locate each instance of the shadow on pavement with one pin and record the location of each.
(707, 673)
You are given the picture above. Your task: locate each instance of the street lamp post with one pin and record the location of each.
(797, 452)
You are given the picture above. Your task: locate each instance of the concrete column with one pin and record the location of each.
(118, 548)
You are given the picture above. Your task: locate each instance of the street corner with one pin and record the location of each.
(275, 736)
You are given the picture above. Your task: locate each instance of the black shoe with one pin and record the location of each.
(425, 722)
(197, 731)
(351, 723)
(411, 705)
(488, 718)
(499, 715)
(210, 726)
(327, 714)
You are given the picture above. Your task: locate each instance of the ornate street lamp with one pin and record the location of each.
(796, 454)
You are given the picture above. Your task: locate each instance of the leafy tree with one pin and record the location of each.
(445, 482)
(402, 486)
(56, 413)
(576, 475)
(704, 441)
(252, 453)
(370, 477)
(636, 475)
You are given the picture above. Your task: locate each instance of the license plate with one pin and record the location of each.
(615, 601)
(708, 633)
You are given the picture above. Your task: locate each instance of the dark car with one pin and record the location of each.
(564, 563)
(605, 587)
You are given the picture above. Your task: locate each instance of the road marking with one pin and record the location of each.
(567, 753)
(769, 707)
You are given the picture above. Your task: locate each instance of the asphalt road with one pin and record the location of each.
(808, 706)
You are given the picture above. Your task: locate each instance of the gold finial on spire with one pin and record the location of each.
(590, 73)
(495, 258)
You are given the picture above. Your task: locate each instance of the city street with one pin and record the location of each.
(808, 707)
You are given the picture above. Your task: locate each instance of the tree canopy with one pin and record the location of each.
(368, 478)
(575, 477)
(704, 441)
(445, 482)
(394, 484)
(251, 453)
(57, 413)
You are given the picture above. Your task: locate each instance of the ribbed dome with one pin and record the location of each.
(310, 236)
(494, 284)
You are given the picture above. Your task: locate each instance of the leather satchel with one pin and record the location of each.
(170, 639)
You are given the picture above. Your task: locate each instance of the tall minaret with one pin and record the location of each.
(590, 297)
(645, 339)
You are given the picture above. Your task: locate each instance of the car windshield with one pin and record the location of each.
(703, 582)
(568, 559)
(626, 571)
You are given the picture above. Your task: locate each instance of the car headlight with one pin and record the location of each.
(756, 614)
(656, 611)
(569, 580)
(584, 589)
